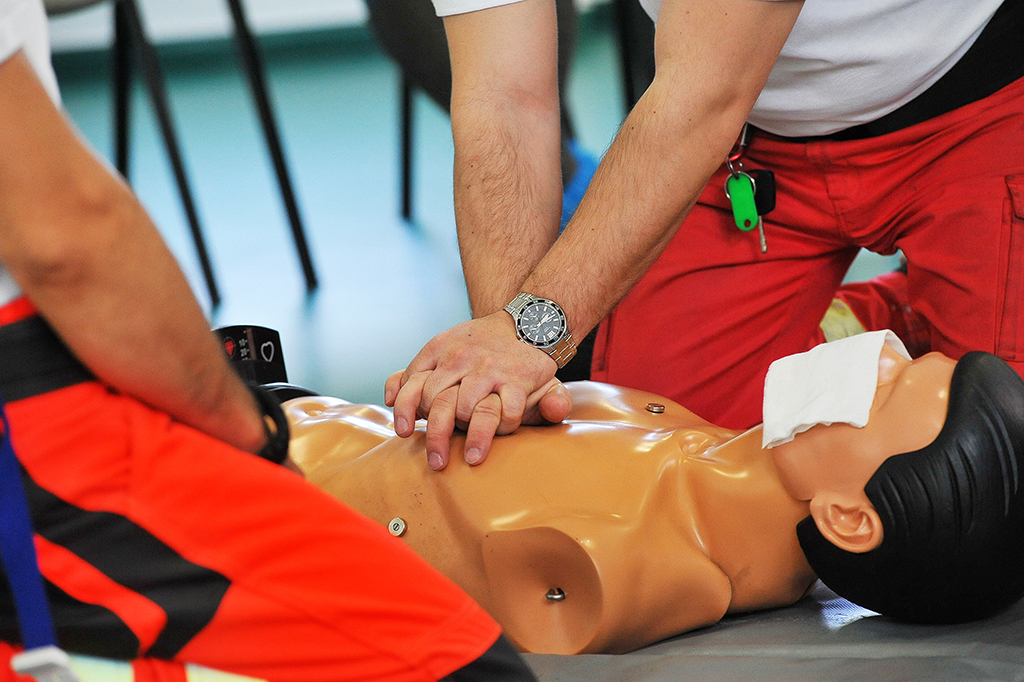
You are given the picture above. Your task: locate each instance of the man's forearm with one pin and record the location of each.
(507, 204)
(635, 205)
(674, 139)
(636, 202)
(83, 250)
(508, 190)
(132, 319)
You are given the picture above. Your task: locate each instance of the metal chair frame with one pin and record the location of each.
(130, 40)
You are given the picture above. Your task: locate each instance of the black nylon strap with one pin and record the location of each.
(276, 449)
(33, 360)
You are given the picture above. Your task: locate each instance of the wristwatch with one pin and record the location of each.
(542, 324)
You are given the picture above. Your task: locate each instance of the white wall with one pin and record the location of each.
(177, 20)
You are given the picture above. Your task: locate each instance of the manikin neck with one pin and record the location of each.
(748, 523)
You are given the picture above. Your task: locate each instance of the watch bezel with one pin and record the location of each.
(524, 333)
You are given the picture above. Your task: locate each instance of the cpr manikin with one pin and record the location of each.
(634, 520)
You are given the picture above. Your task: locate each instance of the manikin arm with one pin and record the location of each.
(713, 58)
(84, 252)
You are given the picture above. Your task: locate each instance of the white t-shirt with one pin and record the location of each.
(847, 62)
(23, 27)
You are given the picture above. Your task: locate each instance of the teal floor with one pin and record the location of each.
(386, 285)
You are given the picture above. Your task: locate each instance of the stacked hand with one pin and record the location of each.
(478, 377)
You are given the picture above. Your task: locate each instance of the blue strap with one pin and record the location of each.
(18, 551)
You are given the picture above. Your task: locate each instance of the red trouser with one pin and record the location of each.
(161, 541)
(708, 318)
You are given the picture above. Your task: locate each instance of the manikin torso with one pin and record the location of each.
(610, 531)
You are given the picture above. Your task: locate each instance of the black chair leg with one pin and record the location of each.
(636, 50)
(153, 77)
(254, 71)
(406, 146)
(626, 55)
(121, 66)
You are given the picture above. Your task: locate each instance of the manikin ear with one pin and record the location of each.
(849, 523)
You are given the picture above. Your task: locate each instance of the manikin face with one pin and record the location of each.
(907, 414)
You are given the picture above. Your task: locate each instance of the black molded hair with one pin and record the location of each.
(952, 512)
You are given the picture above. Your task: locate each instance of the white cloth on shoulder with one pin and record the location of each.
(831, 383)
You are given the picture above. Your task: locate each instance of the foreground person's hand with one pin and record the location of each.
(479, 377)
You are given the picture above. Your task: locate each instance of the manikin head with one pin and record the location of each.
(921, 517)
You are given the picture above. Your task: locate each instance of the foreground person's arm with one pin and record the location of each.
(85, 253)
(712, 59)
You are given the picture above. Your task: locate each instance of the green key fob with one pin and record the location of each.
(739, 189)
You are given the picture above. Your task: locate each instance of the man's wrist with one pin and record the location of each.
(541, 323)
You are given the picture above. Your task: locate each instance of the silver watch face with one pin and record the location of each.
(541, 324)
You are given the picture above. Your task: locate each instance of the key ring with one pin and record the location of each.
(739, 164)
(736, 174)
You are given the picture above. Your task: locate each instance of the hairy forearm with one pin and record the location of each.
(636, 202)
(674, 139)
(508, 204)
(131, 318)
(508, 191)
(83, 250)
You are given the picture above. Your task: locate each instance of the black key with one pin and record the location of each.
(764, 190)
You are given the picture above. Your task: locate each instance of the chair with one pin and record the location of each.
(407, 102)
(130, 37)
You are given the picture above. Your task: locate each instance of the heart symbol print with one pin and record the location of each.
(267, 351)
